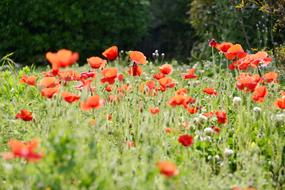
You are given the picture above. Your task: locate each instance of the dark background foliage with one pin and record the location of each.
(31, 27)
(179, 28)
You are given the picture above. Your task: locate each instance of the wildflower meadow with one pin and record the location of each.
(127, 121)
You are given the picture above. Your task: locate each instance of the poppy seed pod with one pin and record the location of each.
(257, 110)
(228, 152)
(236, 101)
(209, 131)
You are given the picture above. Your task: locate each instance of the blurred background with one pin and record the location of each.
(179, 28)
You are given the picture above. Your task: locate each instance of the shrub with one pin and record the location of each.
(31, 27)
(220, 19)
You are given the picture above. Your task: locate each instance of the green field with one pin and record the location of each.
(237, 133)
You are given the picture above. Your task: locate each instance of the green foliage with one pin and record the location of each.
(31, 27)
(169, 30)
(220, 19)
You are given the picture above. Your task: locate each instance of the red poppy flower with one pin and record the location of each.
(270, 77)
(259, 93)
(210, 91)
(166, 83)
(69, 97)
(86, 75)
(154, 110)
(221, 116)
(235, 51)
(216, 129)
(48, 82)
(186, 140)
(24, 115)
(93, 102)
(213, 43)
(223, 47)
(190, 74)
(108, 88)
(62, 58)
(167, 168)
(120, 77)
(192, 110)
(135, 70)
(138, 57)
(49, 92)
(166, 69)
(280, 103)
(25, 150)
(247, 82)
(96, 62)
(158, 76)
(29, 80)
(111, 53)
(109, 75)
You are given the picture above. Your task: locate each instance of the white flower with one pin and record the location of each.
(209, 131)
(228, 152)
(237, 101)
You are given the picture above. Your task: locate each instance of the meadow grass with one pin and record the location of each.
(89, 150)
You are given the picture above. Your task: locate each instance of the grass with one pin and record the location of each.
(86, 150)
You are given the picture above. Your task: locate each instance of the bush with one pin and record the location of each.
(220, 19)
(31, 27)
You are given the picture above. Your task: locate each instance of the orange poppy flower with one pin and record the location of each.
(96, 62)
(222, 117)
(177, 100)
(29, 80)
(131, 144)
(280, 103)
(69, 97)
(259, 93)
(93, 102)
(186, 140)
(235, 51)
(69, 75)
(111, 53)
(210, 91)
(62, 58)
(192, 110)
(190, 74)
(24, 115)
(135, 70)
(166, 69)
(247, 82)
(166, 82)
(48, 82)
(181, 91)
(109, 75)
(154, 110)
(138, 57)
(25, 150)
(167, 168)
(49, 92)
(270, 77)
(167, 130)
